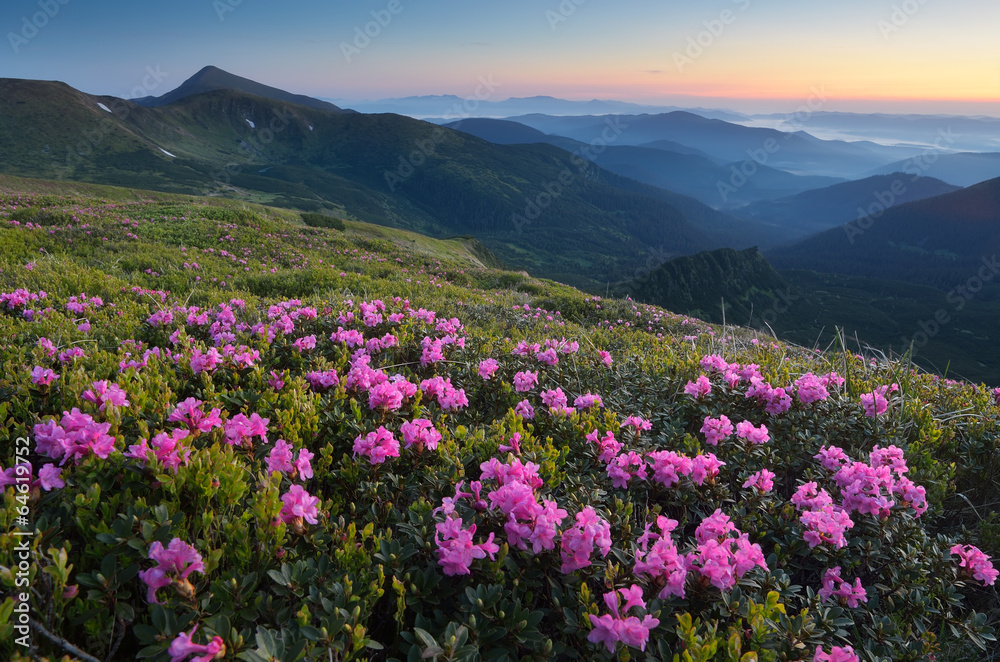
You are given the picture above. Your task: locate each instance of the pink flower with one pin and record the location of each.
(299, 505)
(716, 429)
(317, 380)
(488, 368)
(189, 413)
(525, 381)
(182, 647)
(421, 433)
(104, 394)
(669, 466)
(605, 357)
(240, 429)
(836, 654)
(205, 361)
(178, 560)
(305, 343)
(377, 446)
(578, 541)
(279, 460)
(43, 376)
(714, 363)
(548, 356)
(626, 466)
(834, 586)
(640, 424)
(811, 389)
(832, 458)
(588, 400)
(50, 477)
(455, 548)
(755, 435)
(611, 628)
(661, 561)
(554, 398)
(826, 525)
(810, 496)
(705, 467)
(524, 410)
(698, 388)
(975, 563)
(385, 396)
(763, 480)
(875, 403)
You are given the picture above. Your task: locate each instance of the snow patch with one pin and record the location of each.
(167, 153)
(310, 127)
(252, 125)
(103, 107)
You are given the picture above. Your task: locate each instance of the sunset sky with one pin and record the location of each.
(750, 55)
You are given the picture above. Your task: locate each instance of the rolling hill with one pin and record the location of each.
(944, 241)
(535, 206)
(820, 209)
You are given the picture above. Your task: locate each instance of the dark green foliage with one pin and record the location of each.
(315, 220)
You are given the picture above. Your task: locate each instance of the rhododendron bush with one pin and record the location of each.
(318, 445)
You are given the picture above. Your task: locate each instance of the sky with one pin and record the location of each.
(921, 56)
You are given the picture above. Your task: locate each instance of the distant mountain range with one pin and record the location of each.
(820, 209)
(448, 108)
(944, 242)
(535, 206)
(662, 163)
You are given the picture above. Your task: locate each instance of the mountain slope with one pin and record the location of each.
(943, 241)
(211, 79)
(817, 210)
(534, 205)
(963, 169)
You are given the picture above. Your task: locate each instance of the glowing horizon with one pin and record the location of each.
(905, 56)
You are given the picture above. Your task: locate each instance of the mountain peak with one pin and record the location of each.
(212, 78)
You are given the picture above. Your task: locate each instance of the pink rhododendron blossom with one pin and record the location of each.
(625, 467)
(43, 376)
(175, 563)
(50, 477)
(607, 446)
(612, 628)
(763, 480)
(811, 496)
(554, 398)
(386, 396)
(661, 561)
(715, 526)
(875, 403)
(305, 343)
(836, 654)
(299, 505)
(182, 647)
(524, 410)
(421, 433)
(973, 562)
(669, 466)
(578, 541)
(720, 559)
(547, 356)
(455, 548)
(488, 368)
(588, 400)
(705, 468)
(320, 380)
(104, 394)
(525, 381)
(75, 437)
(189, 413)
(205, 361)
(640, 424)
(834, 586)
(605, 357)
(239, 429)
(377, 446)
(811, 389)
(699, 388)
(714, 363)
(832, 458)
(716, 429)
(826, 525)
(755, 435)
